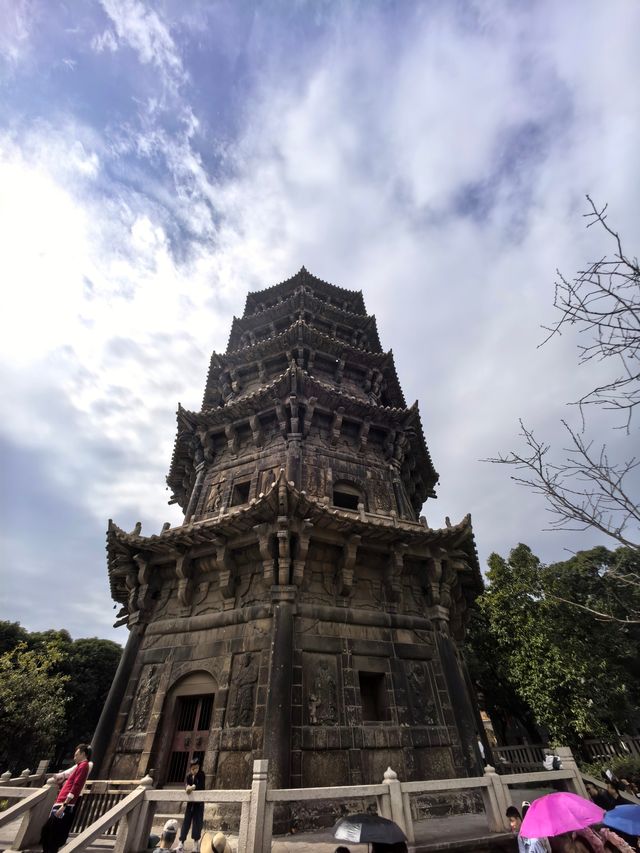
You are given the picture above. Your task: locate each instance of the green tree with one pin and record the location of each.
(90, 665)
(85, 667)
(577, 676)
(11, 633)
(32, 705)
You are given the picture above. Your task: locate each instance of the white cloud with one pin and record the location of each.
(105, 41)
(440, 168)
(142, 29)
(16, 22)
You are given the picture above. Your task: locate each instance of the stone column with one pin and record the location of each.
(107, 721)
(277, 719)
(195, 494)
(461, 703)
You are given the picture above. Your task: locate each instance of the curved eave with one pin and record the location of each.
(295, 304)
(301, 332)
(376, 530)
(328, 397)
(303, 276)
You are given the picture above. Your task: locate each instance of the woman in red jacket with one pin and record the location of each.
(56, 830)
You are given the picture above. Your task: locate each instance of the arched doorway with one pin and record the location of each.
(189, 714)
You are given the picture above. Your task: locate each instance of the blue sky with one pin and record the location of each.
(158, 160)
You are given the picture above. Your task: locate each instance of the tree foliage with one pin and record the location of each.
(51, 692)
(584, 486)
(577, 676)
(32, 704)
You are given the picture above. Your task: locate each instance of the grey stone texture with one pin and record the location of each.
(303, 590)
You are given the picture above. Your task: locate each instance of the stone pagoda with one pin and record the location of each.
(303, 611)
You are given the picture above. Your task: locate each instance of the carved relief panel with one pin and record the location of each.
(320, 682)
(147, 686)
(241, 702)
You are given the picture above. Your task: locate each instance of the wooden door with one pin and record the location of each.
(190, 736)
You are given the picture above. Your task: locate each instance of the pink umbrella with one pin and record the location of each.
(561, 812)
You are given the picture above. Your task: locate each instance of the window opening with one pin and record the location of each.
(346, 496)
(373, 696)
(240, 494)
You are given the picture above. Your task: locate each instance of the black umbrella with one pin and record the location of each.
(368, 828)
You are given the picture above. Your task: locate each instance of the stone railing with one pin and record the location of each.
(596, 749)
(34, 806)
(522, 758)
(134, 814)
(26, 779)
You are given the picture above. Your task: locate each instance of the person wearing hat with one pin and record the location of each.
(168, 837)
(194, 812)
(215, 844)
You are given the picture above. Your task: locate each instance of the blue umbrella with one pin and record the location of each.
(625, 818)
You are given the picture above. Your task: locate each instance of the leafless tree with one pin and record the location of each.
(587, 489)
(604, 302)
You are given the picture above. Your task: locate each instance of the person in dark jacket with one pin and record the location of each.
(194, 813)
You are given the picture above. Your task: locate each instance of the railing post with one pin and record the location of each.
(631, 746)
(259, 830)
(5, 778)
(133, 831)
(31, 827)
(496, 800)
(395, 799)
(569, 763)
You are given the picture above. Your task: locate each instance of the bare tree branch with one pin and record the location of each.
(603, 301)
(602, 617)
(585, 490)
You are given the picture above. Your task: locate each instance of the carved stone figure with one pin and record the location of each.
(144, 700)
(313, 702)
(424, 712)
(324, 689)
(213, 499)
(241, 713)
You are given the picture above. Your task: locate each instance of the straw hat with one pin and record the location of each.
(216, 844)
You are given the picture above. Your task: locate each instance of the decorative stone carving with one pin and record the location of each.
(324, 693)
(214, 499)
(147, 687)
(184, 572)
(347, 565)
(424, 712)
(242, 699)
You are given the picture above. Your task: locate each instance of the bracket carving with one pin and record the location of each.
(184, 572)
(144, 573)
(256, 430)
(281, 415)
(304, 540)
(395, 572)
(347, 565)
(308, 415)
(336, 426)
(232, 438)
(363, 435)
(226, 568)
(264, 532)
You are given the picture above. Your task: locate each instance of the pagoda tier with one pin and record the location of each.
(218, 548)
(355, 329)
(340, 297)
(383, 447)
(371, 375)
